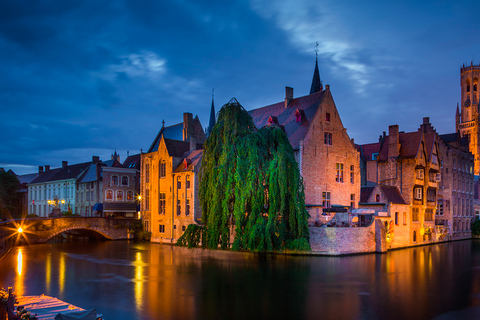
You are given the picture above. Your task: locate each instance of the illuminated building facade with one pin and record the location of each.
(467, 117)
(169, 180)
(327, 157)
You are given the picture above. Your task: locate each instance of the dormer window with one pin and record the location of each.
(377, 198)
(327, 117)
(185, 164)
(272, 120)
(298, 116)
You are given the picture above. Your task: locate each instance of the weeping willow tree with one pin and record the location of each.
(250, 179)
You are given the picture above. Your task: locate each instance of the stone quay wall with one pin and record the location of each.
(348, 240)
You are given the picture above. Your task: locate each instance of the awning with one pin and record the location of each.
(98, 207)
(49, 308)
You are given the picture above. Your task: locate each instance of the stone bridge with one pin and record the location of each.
(40, 230)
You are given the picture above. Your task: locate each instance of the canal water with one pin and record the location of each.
(128, 280)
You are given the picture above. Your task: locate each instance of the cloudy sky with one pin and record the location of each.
(84, 78)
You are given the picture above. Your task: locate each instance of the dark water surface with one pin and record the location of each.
(128, 280)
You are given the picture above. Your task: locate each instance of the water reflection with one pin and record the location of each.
(127, 280)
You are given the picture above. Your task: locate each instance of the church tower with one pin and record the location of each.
(467, 120)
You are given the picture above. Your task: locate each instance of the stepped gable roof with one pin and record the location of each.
(286, 116)
(132, 162)
(430, 138)
(174, 132)
(365, 193)
(193, 159)
(46, 176)
(409, 145)
(392, 194)
(367, 150)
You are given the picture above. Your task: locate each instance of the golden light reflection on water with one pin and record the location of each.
(48, 272)
(61, 273)
(138, 281)
(19, 287)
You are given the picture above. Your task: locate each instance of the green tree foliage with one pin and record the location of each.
(250, 179)
(9, 186)
(476, 228)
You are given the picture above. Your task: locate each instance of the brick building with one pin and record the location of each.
(327, 158)
(169, 180)
(411, 163)
(467, 118)
(455, 204)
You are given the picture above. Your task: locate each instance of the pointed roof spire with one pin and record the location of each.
(316, 82)
(458, 111)
(211, 123)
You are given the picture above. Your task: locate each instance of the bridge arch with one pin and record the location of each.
(94, 229)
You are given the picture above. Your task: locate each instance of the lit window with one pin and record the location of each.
(339, 172)
(129, 195)
(161, 203)
(417, 193)
(109, 195)
(162, 169)
(119, 195)
(326, 199)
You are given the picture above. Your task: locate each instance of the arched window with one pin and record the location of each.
(468, 86)
(130, 195)
(147, 173)
(114, 180)
(109, 195)
(179, 183)
(120, 195)
(124, 181)
(187, 183)
(377, 198)
(162, 169)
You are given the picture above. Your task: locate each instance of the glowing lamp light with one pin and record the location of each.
(20, 230)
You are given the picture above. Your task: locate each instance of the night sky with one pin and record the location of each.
(84, 78)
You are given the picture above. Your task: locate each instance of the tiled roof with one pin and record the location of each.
(174, 132)
(46, 176)
(193, 159)
(409, 145)
(366, 150)
(132, 161)
(177, 148)
(392, 194)
(286, 116)
(27, 178)
(70, 172)
(365, 193)
(89, 175)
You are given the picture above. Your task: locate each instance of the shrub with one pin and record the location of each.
(476, 228)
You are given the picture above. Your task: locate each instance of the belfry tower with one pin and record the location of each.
(467, 118)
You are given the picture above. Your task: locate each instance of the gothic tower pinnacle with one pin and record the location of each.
(211, 123)
(316, 82)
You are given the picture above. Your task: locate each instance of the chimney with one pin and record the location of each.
(393, 141)
(95, 159)
(327, 87)
(193, 143)
(187, 126)
(288, 95)
(47, 168)
(98, 170)
(64, 164)
(40, 169)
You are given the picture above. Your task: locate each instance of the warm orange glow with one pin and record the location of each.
(19, 262)
(138, 281)
(139, 197)
(20, 230)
